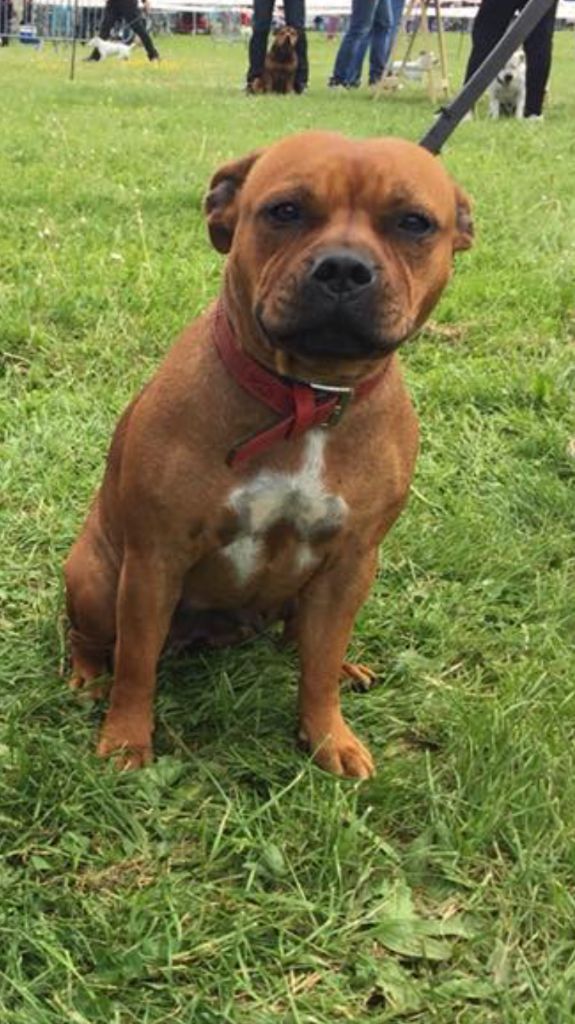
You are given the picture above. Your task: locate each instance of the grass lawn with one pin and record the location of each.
(233, 881)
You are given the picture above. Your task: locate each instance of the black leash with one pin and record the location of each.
(451, 115)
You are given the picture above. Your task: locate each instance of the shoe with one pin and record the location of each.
(340, 86)
(534, 117)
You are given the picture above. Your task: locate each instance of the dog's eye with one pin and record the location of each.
(284, 213)
(416, 224)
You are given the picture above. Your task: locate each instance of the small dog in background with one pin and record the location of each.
(414, 70)
(281, 62)
(111, 48)
(507, 91)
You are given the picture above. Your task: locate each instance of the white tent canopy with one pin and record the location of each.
(466, 11)
(565, 11)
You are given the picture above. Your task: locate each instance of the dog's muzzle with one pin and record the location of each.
(335, 310)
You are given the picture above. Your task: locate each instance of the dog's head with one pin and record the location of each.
(284, 41)
(514, 70)
(339, 248)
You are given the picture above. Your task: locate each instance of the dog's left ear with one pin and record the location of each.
(221, 202)
(464, 230)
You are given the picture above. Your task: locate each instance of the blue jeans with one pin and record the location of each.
(382, 39)
(370, 25)
(397, 7)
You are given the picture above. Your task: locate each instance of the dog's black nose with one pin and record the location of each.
(342, 273)
(507, 78)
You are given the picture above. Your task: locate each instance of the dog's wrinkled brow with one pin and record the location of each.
(290, 192)
(403, 197)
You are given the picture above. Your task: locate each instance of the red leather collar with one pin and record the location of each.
(300, 405)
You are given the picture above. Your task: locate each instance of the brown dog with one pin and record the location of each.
(281, 62)
(255, 475)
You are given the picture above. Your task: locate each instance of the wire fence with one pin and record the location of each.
(37, 23)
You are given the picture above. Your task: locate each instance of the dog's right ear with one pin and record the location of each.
(221, 202)
(464, 230)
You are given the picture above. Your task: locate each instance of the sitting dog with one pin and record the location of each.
(111, 48)
(281, 62)
(507, 91)
(254, 476)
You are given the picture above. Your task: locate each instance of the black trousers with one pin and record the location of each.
(261, 24)
(493, 18)
(128, 11)
(5, 19)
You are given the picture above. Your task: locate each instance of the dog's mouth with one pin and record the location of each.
(283, 49)
(340, 337)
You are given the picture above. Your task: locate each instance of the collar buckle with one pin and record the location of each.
(342, 396)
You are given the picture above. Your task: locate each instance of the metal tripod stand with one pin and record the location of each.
(429, 65)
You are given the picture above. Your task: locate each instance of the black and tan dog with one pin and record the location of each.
(281, 63)
(257, 472)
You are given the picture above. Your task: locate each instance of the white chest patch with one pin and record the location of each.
(298, 499)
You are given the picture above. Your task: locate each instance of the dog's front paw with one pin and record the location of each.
(128, 746)
(336, 749)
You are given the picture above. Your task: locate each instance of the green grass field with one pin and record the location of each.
(233, 881)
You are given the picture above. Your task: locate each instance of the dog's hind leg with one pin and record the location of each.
(91, 586)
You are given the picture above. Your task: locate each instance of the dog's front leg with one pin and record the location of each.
(520, 108)
(325, 616)
(149, 589)
(494, 108)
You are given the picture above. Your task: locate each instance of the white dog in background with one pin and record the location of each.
(507, 91)
(111, 48)
(414, 70)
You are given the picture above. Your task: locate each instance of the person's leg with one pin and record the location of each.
(538, 49)
(397, 9)
(358, 56)
(295, 16)
(261, 22)
(354, 43)
(4, 23)
(138, 24)
(111, 16)
(131, 14)
(381, 34)
(491, 21)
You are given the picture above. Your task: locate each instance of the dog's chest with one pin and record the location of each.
(298, 502)
(508, 95)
